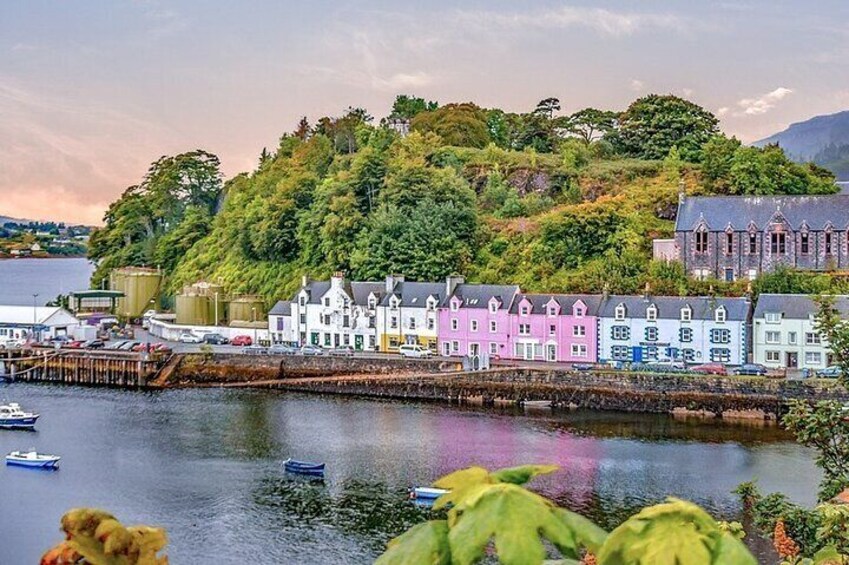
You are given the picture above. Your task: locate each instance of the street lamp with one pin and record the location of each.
(34, 315)
(253, 319)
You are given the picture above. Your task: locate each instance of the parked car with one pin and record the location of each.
(162, 348)
(94, 344)
(116, 344)
(282, 349)
(311, 350)
(710, 369)
(60, 339)
(254, 350)
(751, 369)
(583, 366)
(190, 338)
(215, 339)
(344, 351)
(11, 343)
(666, 364)
(242, 340)
(830, 372)
(414, 350)
(75, 344)
(128, 346)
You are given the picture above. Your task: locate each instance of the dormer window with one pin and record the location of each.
(619, 313)
(651, 313)
(686, 314)
(493, 306)
(431, 304)
(524, 310)
(552, 310)
(372, 303)
(455, 305)
(720, 314)
(393, 303)
(302, 301)
(579, 312)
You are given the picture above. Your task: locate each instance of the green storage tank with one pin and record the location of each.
(201, 304)
(191, 310)
(247, 308)
(140, 287)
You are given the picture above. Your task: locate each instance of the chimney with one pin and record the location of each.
(749, 292)
(647, 292)
(681, 194)
(391, 281)
(451, 282)
(305, 281)
(605, 293)
(337, 279)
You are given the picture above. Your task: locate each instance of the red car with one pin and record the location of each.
(710, 369)
(76, 344)
(241, 340)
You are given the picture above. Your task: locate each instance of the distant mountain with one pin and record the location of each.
(7, 219)
(822, 139)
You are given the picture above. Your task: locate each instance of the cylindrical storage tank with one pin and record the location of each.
(191, 310)
(140, 287)
(247, 308)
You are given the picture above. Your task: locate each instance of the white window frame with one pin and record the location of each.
(686, 314)
(579, 350)
(493, 326)
(455, 324)
(813, 358)
(619, 313)
(493, 348)
(812, 338)
(473, 325)
(772, 356)
(772, 317)
(524, 329)
(651, 313)
(455, 305)
(776, 335)
(720, 315)
(579, 331)
(552, 330)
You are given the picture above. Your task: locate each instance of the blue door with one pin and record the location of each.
(637, 354)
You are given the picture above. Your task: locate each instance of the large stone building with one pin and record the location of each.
(732, 237)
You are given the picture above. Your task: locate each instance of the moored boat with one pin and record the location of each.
(304, 468)
(33, 460)
(427, 493)
(13, 417)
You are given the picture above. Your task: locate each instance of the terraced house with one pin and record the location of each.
(554, 327)
(729, 237)
(692, 329)
(475, 319)
(784, 331)
(408, 313)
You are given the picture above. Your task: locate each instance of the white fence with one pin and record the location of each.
(172, 332)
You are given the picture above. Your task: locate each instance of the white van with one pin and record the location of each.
(414, 351)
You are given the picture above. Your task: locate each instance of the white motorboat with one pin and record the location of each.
(33, 459)
(13, 417)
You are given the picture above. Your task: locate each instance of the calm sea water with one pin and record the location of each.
(206, 464)
(21, 278)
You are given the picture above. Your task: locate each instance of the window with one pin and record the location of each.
(701, 274)
(620, 352)
(804, 243)
(454, 324)
(579, 331)
(372, 303)
(772, 317)
(455, 305)
(326, 340)
(813, 358)
(651, 313)
(473, 325)
(393, 303)
(773, 357)
(326, 319)
(812, 338)
(619, 314)
(753, 242)
(772, 337)
(327, 302)
(688, 355)
(412, 323)
(302, 318)
(579, 312)
(686, 314)
(346, 321)
(752, 274)
(620, 332)
(720, 355)
(552, 310)
(493, 326)
(393, 322)
(729, 243)
(493, 348)
(650, 353)
(778, 242)
(524, 311)
(314, 338)
(524, 329)
(346, 339)
(791, 338)
(552, 329)
(828, 240)
(455, 346)
(493, 307)
(431, 323)
(651, 334)
(720, 314)
(701, 242)
(718, 335)
(685, 335)
(446, 349)
(579, 350)
(371, 322)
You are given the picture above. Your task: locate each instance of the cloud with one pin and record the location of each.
(637, 85)
(605, 22)
(763, 104)
(722, 111)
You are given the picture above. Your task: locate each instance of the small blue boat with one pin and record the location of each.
(13, 418)
(33, 460)
(304, 468)
(427, 493)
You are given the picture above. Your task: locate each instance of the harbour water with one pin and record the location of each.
(21, 278)
(206, 465)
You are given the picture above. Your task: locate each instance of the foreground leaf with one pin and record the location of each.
(425, 543)
(460, 483)
(523, 474)
(586, 533)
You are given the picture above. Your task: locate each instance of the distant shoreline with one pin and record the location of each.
(11, 258)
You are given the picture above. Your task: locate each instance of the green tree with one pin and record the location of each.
(717, 159)
(591, 124)
(463, 125)
(652, 125)
(408, 107)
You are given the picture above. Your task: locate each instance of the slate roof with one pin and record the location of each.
(739, 211)
(796, 306)
(566, 302)
(282, 308)
(415, 294)
(669, 307)
(361, 290)
(478, 295)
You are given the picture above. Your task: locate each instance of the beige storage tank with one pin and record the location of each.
(140, 286)
(191, 310)
(201, 304)
(247, 308)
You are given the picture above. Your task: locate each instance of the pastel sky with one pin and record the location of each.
(91, 92)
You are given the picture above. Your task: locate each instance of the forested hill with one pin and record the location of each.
(550, 201)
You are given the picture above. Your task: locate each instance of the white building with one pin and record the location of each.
(784, 333)
(409, 313)
(19, 322)
(692, 329)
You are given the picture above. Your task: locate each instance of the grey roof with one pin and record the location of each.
(566, 301)
(478, 295)
(739, 211)
(796, 306)
(282, 308)
(360, 291)
(669, 307)
(415, 294)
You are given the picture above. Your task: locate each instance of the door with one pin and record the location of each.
(358, 342)
(729, 275)
(792, 360)
(551, 352)
(529, 352)
(637, 354)
(474, 349)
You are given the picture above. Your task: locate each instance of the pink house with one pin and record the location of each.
(475, 319)
(554, 327)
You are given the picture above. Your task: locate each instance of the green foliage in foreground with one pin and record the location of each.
(492, 513)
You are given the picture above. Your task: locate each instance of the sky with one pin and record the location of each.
(92, 92)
